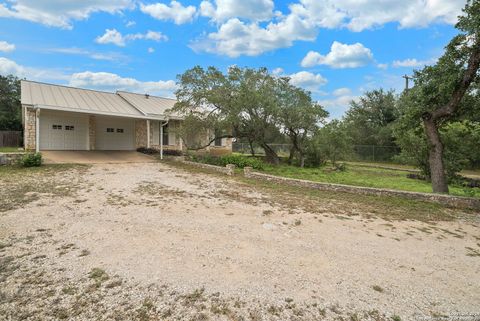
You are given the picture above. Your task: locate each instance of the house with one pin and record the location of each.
(65, 118)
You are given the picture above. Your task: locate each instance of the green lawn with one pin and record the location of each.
(359, 175)
(8, 149)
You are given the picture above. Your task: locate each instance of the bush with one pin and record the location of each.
(31, 160)
(155, 151)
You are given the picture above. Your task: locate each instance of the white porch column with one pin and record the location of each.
(148, 133)
(37, 130)
(161, 140)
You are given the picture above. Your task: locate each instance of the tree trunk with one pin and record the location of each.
(292, 155)
(252, 151)
(435, 156)
(270, 155)
(302, 160)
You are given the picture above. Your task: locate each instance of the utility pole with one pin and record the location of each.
(407, 78)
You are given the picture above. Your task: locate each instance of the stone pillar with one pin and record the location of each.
(140, 133)
(92, 132)
(30, 129)
(247, 171)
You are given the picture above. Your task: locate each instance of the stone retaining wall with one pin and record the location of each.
(228, 170)
(10, 158)
(455, 201)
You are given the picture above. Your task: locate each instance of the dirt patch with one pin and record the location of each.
(151, 241)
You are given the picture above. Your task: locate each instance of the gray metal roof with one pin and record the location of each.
(150, 105)
(124, 104)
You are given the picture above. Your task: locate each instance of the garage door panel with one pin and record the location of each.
(114, 133)
(63, 131)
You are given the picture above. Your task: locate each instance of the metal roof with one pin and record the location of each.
(59, 97)
(150, 105)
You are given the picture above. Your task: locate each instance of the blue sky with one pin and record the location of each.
(336, 49)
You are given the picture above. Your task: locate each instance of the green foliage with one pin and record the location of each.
(239, 161)
(333, 141)
(31, 160)
(369, 120)
(10, 108)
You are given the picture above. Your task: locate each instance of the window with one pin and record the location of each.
(165, 135)
(119, 130)
(69, 127)
(57, 127)
(110, 130)
(218, 141)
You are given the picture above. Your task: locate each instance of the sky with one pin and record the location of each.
(337, 49)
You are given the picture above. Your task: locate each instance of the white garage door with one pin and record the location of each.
(63, 131)
(114, 133)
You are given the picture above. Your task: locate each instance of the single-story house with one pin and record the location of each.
(65, 118)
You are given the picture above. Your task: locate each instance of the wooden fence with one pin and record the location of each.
(10, 138)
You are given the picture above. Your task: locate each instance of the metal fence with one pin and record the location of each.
(10, 138)
(370, 153)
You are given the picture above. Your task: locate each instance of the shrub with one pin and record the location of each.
(31, 160)
(156, 151)
(242, 161)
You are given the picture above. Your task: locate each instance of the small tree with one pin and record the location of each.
(10, 108)
(333, 141)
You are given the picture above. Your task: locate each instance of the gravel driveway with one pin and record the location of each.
(156, 242)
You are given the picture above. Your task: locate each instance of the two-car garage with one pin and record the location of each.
(70, 131)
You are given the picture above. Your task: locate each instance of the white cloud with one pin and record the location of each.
(340, 56)
(130, 23)
(359, 15)
(151, 50)
(412, 63)
(8, 67)
(112, 36)
(338, 104)
(6, 47)
(108, 56)
(382, 66)
(277, 71)
(308, 80)
(258, 10)
(112, 82)
(342, 92)
(235, 38)
(176, 12)
(60, 13)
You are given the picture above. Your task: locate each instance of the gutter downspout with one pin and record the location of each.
(161, 138)
(37, 128)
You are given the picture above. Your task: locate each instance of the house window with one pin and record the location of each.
(110, 130)
(69, 127)
(218, 141)
(57, 127)
(119, 130)
(165, 135)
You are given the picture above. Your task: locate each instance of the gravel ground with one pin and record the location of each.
(155, 242)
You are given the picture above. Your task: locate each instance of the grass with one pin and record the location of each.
(9, 149)
(360, 175)
(334, 203)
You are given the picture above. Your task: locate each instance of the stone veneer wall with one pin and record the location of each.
(29, 130)
(454, 201)
(91, 132)
(10, 158)
(140, 133)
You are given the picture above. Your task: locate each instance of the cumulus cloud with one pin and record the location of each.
(112, 82)
(6, 47)
(340, 56)
(112, 36)
(342, 92)
(235, 38)
(175, 12)
(60, 13)
(339, 102)
(308, 80)
(10, 67)
(222, 10)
